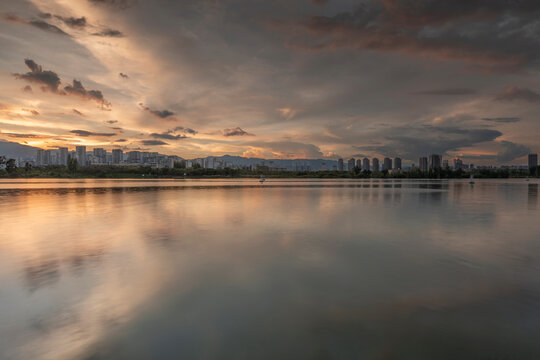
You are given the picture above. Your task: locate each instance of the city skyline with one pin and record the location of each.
(312, 79)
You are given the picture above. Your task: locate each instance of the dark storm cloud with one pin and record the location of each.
(123, 76)
(76, 88)
(511, 151)
(450, 92)
(40, 24)
(109, 33)
(503, 119)
(159, 113)
(319, 2)
(237, 131)
(85, 133)
(515, 93)
(153, 142)
(48, 80)
(411, 142)
(475, 31)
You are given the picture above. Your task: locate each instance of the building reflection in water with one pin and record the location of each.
(299, 269)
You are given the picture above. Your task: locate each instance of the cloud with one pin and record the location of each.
(153, 142)
(319, 2)
(283, 150)
(237, 131)
(73, 22)
(450, 92)
(109, 33)
(177, 133)
(515, 93)
(119, 4)
(185, 130)
(473, 31)
(412, 142)
(503, 119)
(85, 133)
(48, 80)
(123, 76)
(168, 136)
(29, 136)
(511, 151)
(163, 114)
(28, 89)
(110, 122)
(77, 112)
(120, 140)
(40, 24)
(78, 89)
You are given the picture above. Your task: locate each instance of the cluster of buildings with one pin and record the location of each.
(434, 161)
(99, 156)
(373, 165)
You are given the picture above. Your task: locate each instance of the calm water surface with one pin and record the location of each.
(292, 269)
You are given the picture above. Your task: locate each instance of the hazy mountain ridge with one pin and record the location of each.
(16, 150)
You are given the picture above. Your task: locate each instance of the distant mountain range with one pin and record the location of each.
(16, 150)
(314, 164)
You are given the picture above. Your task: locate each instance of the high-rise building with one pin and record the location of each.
(423, 164)
(365, 164)
(117, 156)
(387, 164)
(435, 161)
(375, 164)
(47, 158)
(62, 156)
(81, 155)
(533, 160)
(39, 157)
(359, 163)
(350, 164)
(134, 157)
(100, 156)
(458, 164)
(340, 164)
(397, 163)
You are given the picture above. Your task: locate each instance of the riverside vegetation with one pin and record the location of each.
(72, 170)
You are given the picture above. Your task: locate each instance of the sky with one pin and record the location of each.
(276, 79)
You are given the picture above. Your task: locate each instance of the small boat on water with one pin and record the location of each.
(262, 179)
(471, 179)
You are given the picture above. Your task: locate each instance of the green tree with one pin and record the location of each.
(72, 165)
(11, 166)
(180, 164)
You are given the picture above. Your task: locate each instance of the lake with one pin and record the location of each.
(291, 269)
